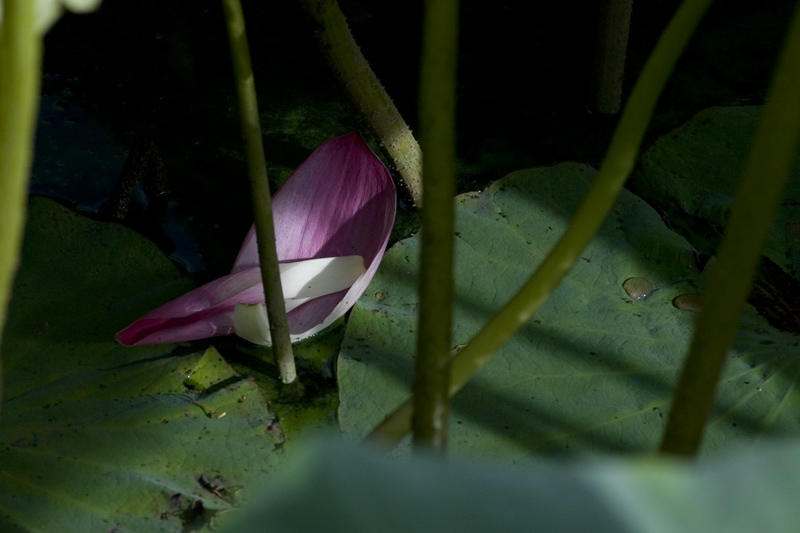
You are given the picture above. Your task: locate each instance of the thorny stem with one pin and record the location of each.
(611, 45)
(384, 120)
(752, 214)
(20, 58)
(262, 202)
(615, 169)
(437, 126)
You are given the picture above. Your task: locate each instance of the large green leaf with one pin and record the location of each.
(595, 368)
(357, 490)
(133, 448)
(98, 437)
(79, 283)
(695, 169)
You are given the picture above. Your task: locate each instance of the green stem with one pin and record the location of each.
(611, 45)
(437, 126)
(20, 58)
(614, 171)
(755, 205)
(262, 202)
(384, 120)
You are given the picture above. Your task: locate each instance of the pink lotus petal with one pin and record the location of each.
(204, 312)
(338, 202)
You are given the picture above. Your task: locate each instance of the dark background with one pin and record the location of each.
(161, 68)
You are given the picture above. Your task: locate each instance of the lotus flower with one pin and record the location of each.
(333, 217)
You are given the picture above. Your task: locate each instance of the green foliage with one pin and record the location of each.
(437, 104)
(139, 447)
(353, 489)
(95, 436)
(20, 59)
(758, 195)
(678, 173)
(79, 283)
(595, 369)
(259, 184)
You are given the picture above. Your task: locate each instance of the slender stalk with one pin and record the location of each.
(20, 58)
(614, 171)
(611, 45)
(366, 92)
(262, 201)
(753, 212)
(437, 120)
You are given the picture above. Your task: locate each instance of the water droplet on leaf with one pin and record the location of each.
(689, 302)
(637, 288)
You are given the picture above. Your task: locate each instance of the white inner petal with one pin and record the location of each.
(301, 281)
(313, 278)
(250, 321)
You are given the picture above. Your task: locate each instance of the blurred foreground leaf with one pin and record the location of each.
(357, 490)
